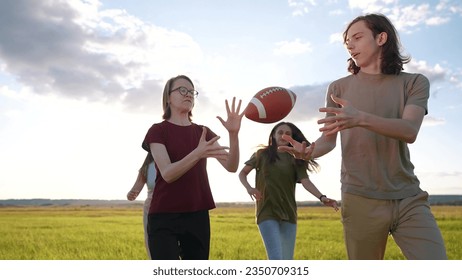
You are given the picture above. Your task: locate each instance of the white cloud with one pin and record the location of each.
(295, 47)
(336, 12)
(86, 53)
(370, 6)
(336, 38)
(437, 20)
(456, 79)
(407, 18)
(301, 7)
(433, 121)
(456, 9)
(434, 74)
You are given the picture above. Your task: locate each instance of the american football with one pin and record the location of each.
(270, 105)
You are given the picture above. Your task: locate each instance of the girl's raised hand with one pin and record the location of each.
(233, 123)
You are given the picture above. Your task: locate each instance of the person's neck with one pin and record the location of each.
(374, 68)
(181, 120)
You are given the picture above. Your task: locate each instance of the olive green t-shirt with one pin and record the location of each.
(276, 182)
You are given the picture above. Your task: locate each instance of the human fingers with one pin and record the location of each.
(213, 140)
(218, 152)
(298, 150)
(335, 207)
(218, 149)
(204, 133)
(289, 139)
(132, 195)
(258, 195)
(233, 106)
(289, 150)
(331, 132)
(299, 147)
(332, 203)
(326, 120)
(301, 150)
(342, 102)
(221, 120)
(332, 128)
(239, 107)
(227, 106)
(330, 110)
(252, 194)
(286, 149)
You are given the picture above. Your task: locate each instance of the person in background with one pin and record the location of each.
(178, 221)
(146, 176)
(277, 174)
(378, 110)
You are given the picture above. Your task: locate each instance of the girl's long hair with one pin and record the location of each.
(144, 167)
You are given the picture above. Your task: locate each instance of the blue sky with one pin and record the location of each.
(81, 82)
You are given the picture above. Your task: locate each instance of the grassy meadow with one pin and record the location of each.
(116, 233)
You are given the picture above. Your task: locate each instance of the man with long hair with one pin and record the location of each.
(378, 111)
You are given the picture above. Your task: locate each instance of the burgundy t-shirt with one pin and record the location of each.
(191, 192)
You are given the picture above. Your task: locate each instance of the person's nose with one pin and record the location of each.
(191, 94)
(350, 45)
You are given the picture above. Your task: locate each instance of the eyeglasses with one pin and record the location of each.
(184, 91)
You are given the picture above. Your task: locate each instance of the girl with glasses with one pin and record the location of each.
(178, 220)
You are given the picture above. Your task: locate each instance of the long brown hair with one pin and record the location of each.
(392, 59)
(167, 91)
(144, 167)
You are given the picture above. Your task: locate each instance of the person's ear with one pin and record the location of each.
(382, 38)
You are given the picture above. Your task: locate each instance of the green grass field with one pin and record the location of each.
(92, 233)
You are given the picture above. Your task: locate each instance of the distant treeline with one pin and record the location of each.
(445, 199)
(434, 200)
